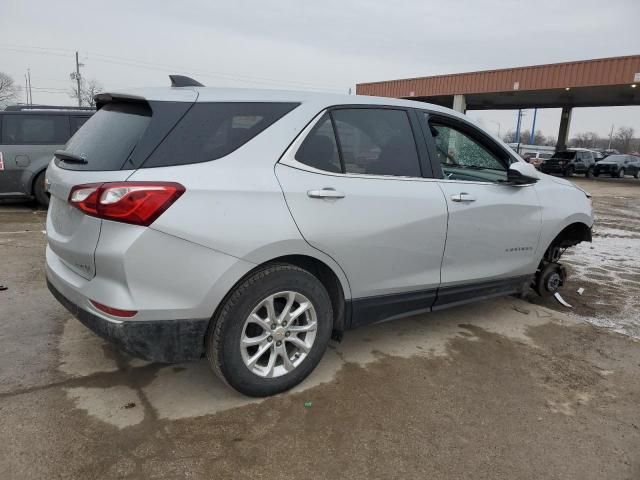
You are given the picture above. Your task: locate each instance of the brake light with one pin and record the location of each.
(139, 203)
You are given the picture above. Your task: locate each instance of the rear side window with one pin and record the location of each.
(35, 129)
(213, 130)
(376, 142)
(109, 136)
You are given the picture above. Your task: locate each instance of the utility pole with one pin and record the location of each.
(29, 83)
(499, 128)
(26, 88)
(77, 77)
(78, 80)
(610, 137)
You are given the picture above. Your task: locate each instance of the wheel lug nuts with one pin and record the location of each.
(278, 343)
(284, 324)
(287, 334)
(273, 326)
(270, 339)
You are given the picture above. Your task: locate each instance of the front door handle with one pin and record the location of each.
(463, 197)
(325, 193)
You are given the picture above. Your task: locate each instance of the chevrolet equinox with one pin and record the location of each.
(252, 226)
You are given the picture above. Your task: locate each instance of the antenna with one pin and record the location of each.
(182, 81)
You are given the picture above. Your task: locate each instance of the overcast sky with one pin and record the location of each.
(321, 45)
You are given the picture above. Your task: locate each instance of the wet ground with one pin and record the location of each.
(501, 389)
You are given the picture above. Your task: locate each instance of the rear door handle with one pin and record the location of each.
(463, 197)
(325, 193)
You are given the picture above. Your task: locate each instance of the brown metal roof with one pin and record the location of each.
(586, 73)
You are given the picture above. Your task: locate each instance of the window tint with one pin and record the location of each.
(109, 136)
(35, 129)
(376, 141)
(319, 149)
(464, 158)
(213, 130)
(76, 123)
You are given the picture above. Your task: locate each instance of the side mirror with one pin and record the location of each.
(522, 173)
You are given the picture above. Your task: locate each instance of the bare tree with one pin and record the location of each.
(8, 90)
(88, 90)
(585, 140)
(623, 137)
(539, 139)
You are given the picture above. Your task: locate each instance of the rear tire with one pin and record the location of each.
(637, 174)
(247, 307)
(42, 197)
(568, 172)
(590, 172)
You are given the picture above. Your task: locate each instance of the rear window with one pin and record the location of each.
(108, 138)
(31, 129)
(213, 130)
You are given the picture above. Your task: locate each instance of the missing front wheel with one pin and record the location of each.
(550, 278)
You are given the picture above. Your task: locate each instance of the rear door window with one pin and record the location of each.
(376, 141)
(213, 130)
(35, 129)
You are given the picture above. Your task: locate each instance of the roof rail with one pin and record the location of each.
(182, 81)
(21, 108)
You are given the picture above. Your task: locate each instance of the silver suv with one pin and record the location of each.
(253, 226)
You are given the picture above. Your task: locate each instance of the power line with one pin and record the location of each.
(156, 66)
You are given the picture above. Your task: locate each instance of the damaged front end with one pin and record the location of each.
(551, 274)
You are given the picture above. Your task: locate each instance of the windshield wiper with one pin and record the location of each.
(69, 157)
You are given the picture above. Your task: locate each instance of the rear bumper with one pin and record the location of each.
(155, 340)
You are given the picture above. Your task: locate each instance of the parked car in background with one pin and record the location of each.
(252, 226)
(536, 158)
(570, 161)
(28, 137)
(598, 155)
(618, 166)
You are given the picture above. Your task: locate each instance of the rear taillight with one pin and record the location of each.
(139, 203)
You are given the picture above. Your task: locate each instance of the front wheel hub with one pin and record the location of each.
(550, 279)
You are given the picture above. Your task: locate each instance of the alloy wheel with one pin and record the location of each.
(278, 334)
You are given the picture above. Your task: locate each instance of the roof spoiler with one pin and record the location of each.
(103, 98)
(182, 81)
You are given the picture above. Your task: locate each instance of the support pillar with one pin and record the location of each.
(460, 103)
(563, 132)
